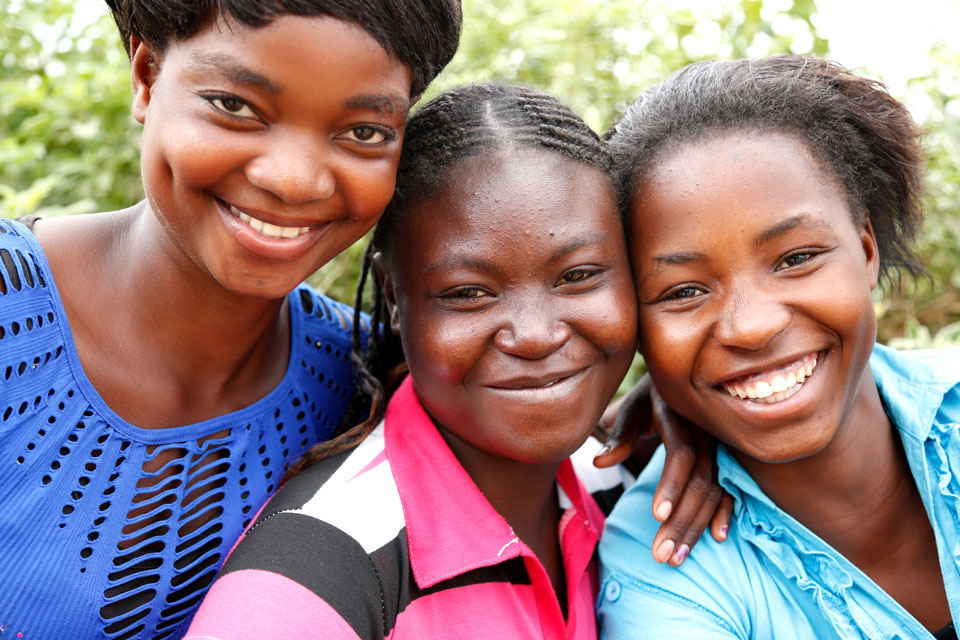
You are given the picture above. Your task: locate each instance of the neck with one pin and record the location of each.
(853, 493)
(177, 347)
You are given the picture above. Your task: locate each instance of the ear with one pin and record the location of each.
(870, 251)
(144, 64)
(389, 292)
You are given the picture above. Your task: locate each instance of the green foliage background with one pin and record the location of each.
(69, 145)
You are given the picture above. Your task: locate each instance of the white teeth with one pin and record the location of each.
(266, 228)
(779, 388)
(778, 384)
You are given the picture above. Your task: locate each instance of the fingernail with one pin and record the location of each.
(723, 531)
(603, 450)
(681, 554)
(663, 510)
(664, 550)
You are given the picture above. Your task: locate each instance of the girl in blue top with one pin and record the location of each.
(767, 199)
(159, 368)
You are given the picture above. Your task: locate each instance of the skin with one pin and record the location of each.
(511, 277)
(297, 123)
(747, 256)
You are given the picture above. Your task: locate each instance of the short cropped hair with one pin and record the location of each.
(422, 34)
(855, 130)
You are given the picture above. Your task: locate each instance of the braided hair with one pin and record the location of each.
(463, 122)
(853, 127)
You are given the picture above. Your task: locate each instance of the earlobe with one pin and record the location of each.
(870, 251)
(389, 294)
(143, 68)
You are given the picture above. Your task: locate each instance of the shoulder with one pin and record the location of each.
(604, 485)
(325, 319)
(332, 534)
(709, 590)
(23, 267)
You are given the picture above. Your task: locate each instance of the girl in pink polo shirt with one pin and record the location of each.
(500, 272)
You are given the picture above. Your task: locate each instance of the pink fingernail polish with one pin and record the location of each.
(723, 530)
(681, 554)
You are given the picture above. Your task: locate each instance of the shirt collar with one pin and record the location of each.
(913, 384)
(451, 527)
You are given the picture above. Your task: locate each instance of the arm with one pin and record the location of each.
(688, 496)
(290, 575)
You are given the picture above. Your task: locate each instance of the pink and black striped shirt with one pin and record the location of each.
(394, 540)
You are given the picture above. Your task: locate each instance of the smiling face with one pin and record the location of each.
(756, 319)
(511, 291)
(267, 151)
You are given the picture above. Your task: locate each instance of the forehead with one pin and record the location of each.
(703, 183)
(529, 191)
(291, 52)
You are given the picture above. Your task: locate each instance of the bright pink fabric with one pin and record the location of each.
(266, 606)
(452, 528)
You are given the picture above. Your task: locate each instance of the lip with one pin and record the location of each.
(800, 401)
(269, 247)
(771, 368)
(540, 388)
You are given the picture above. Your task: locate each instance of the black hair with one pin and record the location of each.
(855, 130)
(463, 122)
(422, 34)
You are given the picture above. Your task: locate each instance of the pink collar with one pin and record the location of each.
(451, 527)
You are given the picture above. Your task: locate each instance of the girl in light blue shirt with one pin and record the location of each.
(767, 199)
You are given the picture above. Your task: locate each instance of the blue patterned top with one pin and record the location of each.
(111, 530)
(773, 578)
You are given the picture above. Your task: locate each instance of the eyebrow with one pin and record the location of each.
(800, 220)
(393, 105)
(680, 258)
(448, 263)
(233, 71)
(576, 243)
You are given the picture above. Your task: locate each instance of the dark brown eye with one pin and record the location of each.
(231, 104)
(368, 135)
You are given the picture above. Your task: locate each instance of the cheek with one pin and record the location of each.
(368, 186)
(440, 348)
(612, 325)
(195, 157)
(667, 344)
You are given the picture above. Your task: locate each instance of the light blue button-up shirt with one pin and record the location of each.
(773, 578)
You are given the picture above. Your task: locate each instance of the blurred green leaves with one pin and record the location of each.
(68, 143)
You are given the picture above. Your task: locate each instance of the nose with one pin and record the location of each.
(295, 168)
(532, 332)
(751, 319)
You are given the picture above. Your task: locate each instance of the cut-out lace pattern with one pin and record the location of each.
(109, 530)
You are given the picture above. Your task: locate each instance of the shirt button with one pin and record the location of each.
(612, 591)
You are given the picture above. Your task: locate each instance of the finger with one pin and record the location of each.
(675, 527)
(607, 421)
(681, 454)
(617, 448)
(697, 526)
(720, 523)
